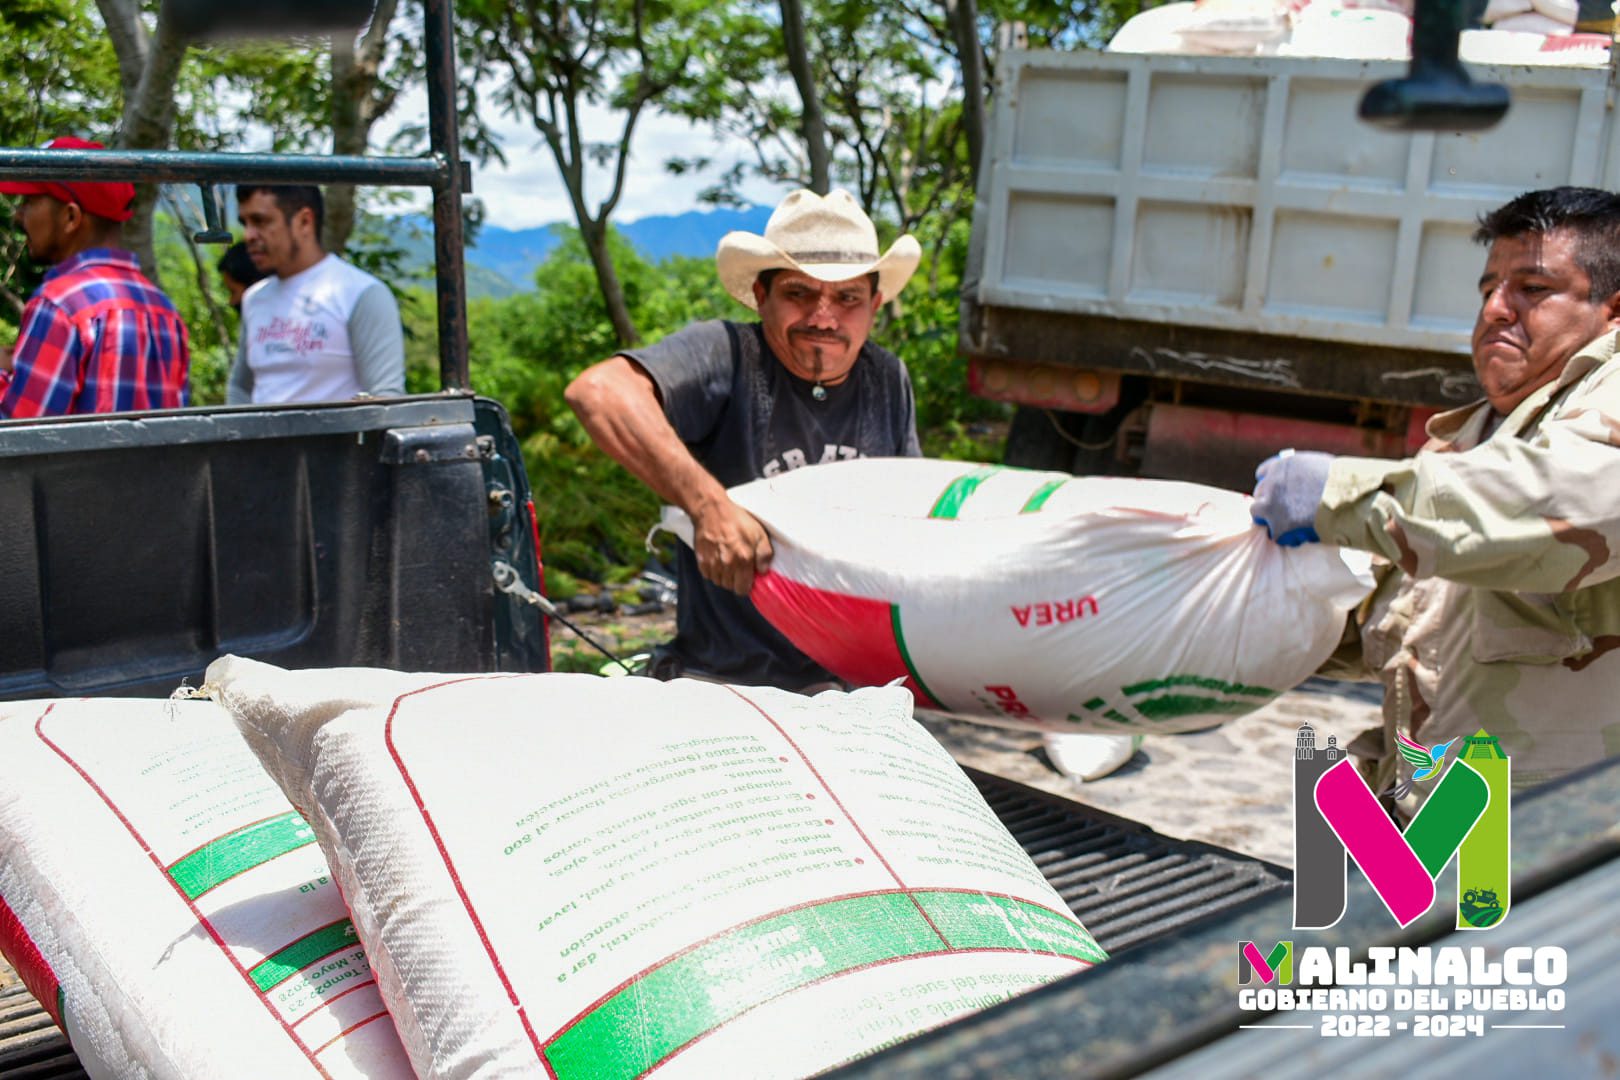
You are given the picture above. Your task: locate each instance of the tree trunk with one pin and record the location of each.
(148, 120)
(202, 262)
(356, 106)
(122, 18)
(594, 233)
(349, 136)
(812, 126)
(964, 19)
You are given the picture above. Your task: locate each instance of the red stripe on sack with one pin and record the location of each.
(350, 1030)
(329, 1002)
(30, 964)
(842, 809)
(850, 636)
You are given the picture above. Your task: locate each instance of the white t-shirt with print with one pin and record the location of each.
(326, 333)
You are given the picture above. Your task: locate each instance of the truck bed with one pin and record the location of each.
(1229, 219)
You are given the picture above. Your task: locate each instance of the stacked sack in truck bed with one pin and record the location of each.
(167, 906)
(595, 879)
(1569, 33)
(537, 875)
(1044, 600)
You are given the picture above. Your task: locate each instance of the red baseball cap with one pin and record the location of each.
(110, 199)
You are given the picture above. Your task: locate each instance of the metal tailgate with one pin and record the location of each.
(1242, 194)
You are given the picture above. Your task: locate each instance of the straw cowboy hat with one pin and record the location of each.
(829, 238)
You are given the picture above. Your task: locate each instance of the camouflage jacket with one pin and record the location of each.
(1500, 604)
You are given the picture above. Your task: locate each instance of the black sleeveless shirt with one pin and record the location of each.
(744, 416)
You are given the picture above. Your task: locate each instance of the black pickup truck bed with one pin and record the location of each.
(138, 548)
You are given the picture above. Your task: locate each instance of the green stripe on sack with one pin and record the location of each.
(977, 921)
(698, 991)
(950, 501)
(905, 655)
(1176, 706)
(1151, 704)
(1202, 682)
(1042, 493)
(283, 965)
(235, 853)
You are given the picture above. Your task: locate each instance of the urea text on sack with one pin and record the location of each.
(1053, 613)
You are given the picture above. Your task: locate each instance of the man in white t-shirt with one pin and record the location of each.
(317, 328)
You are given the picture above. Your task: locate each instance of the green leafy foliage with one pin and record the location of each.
(58, 81)
(525, 349)
(889, 79)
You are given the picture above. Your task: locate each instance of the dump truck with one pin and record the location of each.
(1182, 264)
(400, 533)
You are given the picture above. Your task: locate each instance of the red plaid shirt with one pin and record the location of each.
(97, 337)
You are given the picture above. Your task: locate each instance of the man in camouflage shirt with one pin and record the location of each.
(1499, 606)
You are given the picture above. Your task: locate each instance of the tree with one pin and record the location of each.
(328, 93)
(963, 17)
(812, 127)
(901, 89)
(59, 81)
(557, 59)
(362, 92)
(149, 59)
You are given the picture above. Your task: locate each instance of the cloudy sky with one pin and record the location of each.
(529, 191)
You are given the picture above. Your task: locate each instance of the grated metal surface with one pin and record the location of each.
(31, 1046)
(1127, 883)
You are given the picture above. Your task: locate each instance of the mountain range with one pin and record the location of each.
(503, 261)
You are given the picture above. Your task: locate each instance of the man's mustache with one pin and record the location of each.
(820, 335)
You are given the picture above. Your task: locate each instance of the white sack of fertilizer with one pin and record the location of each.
(597, 878)
(169, 908)
(1044, 600)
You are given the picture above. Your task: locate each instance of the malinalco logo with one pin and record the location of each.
(1277, 966)
(1337, 815)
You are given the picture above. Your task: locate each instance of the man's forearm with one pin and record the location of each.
(619, 409)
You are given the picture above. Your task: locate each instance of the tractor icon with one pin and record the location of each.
(1480, 907)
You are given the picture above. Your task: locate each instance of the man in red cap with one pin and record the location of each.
(97, 336)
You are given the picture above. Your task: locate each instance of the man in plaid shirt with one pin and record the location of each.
(97, 336)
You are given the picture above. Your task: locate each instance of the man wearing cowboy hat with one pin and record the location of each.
(97, 336)
(720, 403)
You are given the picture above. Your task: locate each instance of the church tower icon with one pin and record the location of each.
(1320, 861)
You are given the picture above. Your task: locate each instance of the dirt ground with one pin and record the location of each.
(1230, 785)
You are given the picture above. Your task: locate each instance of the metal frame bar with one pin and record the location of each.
(442, 171)
(197, 167)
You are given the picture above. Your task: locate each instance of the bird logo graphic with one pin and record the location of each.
(1426, 762)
